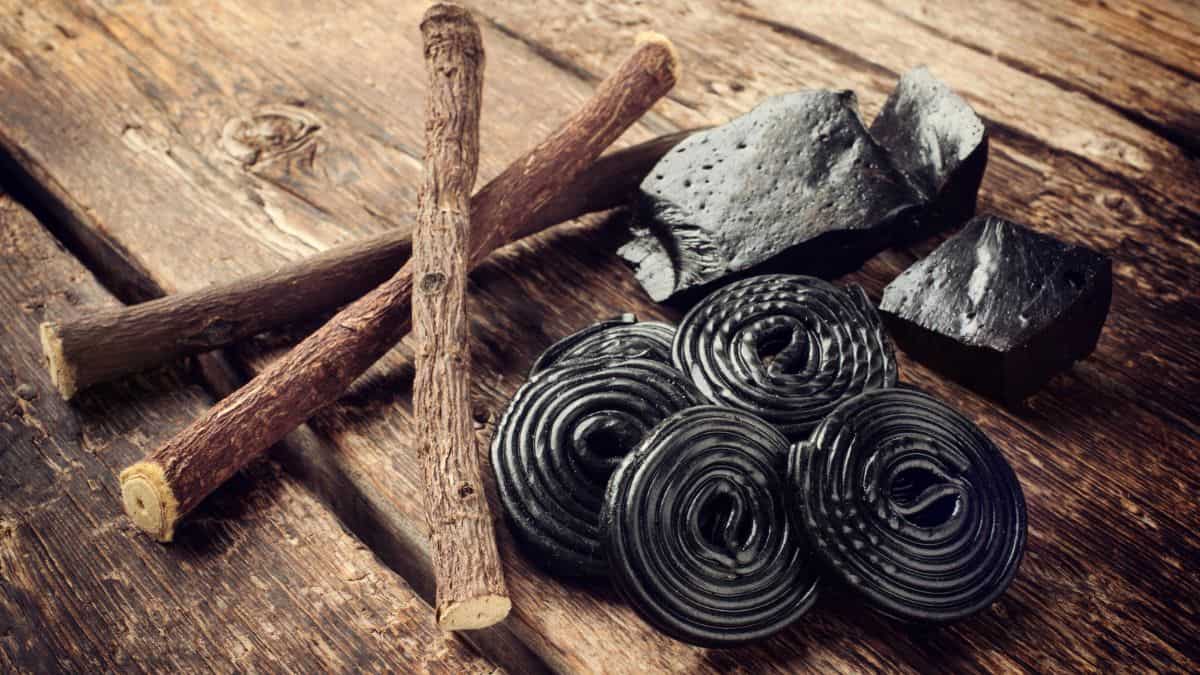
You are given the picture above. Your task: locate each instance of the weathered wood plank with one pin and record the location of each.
(264, 579)
(1159, 30)
(1108, 493)
(1028, 39)
(870, 38)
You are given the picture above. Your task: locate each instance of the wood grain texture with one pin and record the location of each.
(1161, 31)
(1148, 94)
(1106, 453)
(265, 580)
(466, 565)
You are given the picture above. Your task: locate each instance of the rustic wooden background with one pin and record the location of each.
(165, 146)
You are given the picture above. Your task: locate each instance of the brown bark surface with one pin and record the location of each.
(470, 584)
(1105, 453)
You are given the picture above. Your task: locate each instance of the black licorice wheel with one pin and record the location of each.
(699, 536)
(561, 437)
(787, 348)
(911, 505)
(621, 336)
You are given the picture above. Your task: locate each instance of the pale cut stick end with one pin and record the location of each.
(474, 613)
(149, 501)
(62, 373)
(654, 38)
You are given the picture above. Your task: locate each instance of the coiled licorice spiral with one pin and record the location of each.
(561, 437)
(622, 336)
(910, 504)
(787, 348)
(699, 536)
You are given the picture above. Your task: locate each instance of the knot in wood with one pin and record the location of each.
(433, 282)
(269, 132)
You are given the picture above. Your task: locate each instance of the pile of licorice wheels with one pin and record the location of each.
(723, 472)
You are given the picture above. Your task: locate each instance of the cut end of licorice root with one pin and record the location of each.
(653, 38)
(474, 613)
(62, 373)
(149, 500)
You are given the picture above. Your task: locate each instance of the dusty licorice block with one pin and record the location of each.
(935, 138)
(795, 184)
(1000, 308)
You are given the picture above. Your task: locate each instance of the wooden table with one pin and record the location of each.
(174, 145)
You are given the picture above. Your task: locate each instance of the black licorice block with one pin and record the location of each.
(938, 141)
(796, 185)
(1000, 308)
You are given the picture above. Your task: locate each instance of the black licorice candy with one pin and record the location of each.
(699, 536)
(1000, 308)
(797, 181)
(787, 348)
(937, 140)
(911, 505)
(622, 336)
(561, 437)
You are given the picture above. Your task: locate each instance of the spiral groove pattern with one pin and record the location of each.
(787, 348)
(910, 504)
(560, 439)
(622, 336)
(699, 536)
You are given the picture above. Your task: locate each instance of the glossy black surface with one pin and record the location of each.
(623, 336)
(935, 138)
(1000, 307)
(910, 505)
(700, 539)
(797, 185)
(787, 348)
(561, 437)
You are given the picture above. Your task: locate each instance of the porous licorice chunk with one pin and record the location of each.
(910, 505)
(935, 138)
(796, 185)
(699, 535)
(999, 307)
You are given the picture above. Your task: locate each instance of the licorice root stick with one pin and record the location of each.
(466, 565)
(109, 342)
(175, 477)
